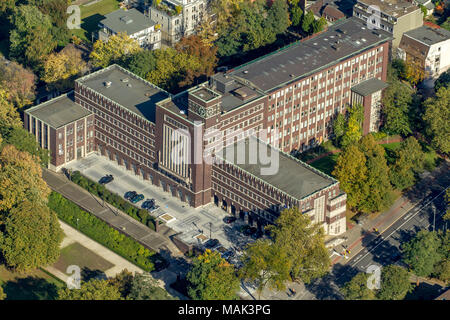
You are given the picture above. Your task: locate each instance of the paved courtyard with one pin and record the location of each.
(178, 215)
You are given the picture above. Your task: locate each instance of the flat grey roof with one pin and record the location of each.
(369, 86)
(395, 8)
(429, 35)
(126, 89)
(293, 177)
(59, 111)
(303, 58)
(130, 21)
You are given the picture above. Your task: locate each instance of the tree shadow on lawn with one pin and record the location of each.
(424, 291)
(89, 274)
(90, 24)
(30, 288)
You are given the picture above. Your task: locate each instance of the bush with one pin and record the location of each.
(113, 199)
(101, 232)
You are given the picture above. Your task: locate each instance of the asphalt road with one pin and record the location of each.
(384, 249)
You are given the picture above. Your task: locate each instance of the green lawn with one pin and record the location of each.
(89, 262)
(33, 285)
(91, 15)
(390, 149)
(326, 164)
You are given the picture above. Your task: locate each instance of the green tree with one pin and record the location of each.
(319, 25)
(9, 117)
(266, 264)
(380, 195)
(442, 270)
(296, 15)
(24, 141)
(442, 81)
(278, 17)
(357, 289)
(57, 11)
(424, 10)
(31, 237)
(140, 63)
(339, 124)
(303, 242)
(395, 284)
(409, 161)
(212, 278)
(92, 290)
(307, 22)
(144, 287)
(364, 175)
(123, 282)
(422, 252)
(396, 109)
(436, 115)
(31, 40)
(351, 171)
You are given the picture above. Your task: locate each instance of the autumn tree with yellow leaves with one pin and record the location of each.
(60, 69)
(30, 234)
(212, 278)
(116, 48)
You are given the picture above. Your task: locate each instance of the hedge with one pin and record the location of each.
(115, 200)
(101, 232)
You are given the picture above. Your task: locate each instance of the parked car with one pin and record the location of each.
(106, 179)
(154, 208)
(228, 254)
(229, 219)
(130, 194)
(211, 243)
(147, 204)
(137, 198)
(258, 234)
(221, 250)
(248, 231)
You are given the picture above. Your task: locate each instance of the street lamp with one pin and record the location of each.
(77, 223)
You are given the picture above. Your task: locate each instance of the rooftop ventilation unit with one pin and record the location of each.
(107, 84)
(126, 19)
(245, 71)
(125, 80)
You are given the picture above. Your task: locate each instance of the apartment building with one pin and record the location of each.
(393, 16)
(427, 48)
(177, 18)
(135, 24)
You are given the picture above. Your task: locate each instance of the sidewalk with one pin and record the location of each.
(111, 215)
(72, 235)
(119, 263)
(385, 219)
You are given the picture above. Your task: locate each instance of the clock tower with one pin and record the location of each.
(205, 112)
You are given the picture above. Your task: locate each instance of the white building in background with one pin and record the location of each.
(135, 24)
(428, 47)
(177, 18)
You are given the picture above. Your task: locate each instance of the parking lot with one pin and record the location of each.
(193, 223)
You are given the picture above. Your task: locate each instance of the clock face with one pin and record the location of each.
(201, 111)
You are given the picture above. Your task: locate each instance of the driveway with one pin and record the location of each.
(188, 221)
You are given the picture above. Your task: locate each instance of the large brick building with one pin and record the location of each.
(288, 98)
